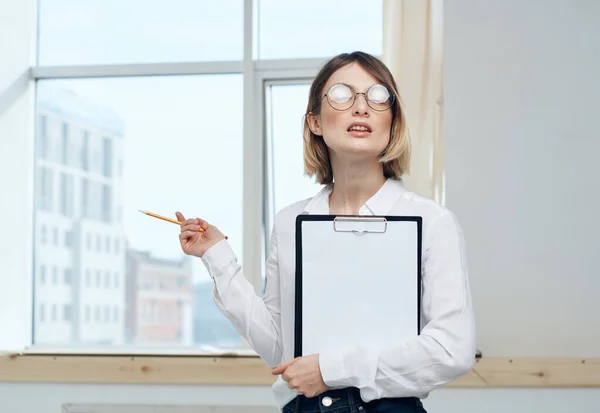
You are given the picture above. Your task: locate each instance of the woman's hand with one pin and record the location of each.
(303, 374)
(193, 240)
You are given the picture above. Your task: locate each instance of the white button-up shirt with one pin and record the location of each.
(445, 348)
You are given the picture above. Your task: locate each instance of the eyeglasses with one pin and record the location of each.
(342, 97)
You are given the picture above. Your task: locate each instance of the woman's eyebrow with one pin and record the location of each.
(354, 88)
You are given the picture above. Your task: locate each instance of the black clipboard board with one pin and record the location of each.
(323, 297)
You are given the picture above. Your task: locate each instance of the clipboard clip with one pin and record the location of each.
(360, 225)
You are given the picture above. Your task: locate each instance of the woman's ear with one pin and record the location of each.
(314, 122)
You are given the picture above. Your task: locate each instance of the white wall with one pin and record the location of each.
(522, 104)
(49, 398)
(16, 168)
(519, 78)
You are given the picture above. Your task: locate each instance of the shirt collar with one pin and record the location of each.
(379, 204)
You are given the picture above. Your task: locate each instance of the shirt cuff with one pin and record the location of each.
(333, 370)
(218, 257)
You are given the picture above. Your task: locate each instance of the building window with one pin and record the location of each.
(55, 275)
(106, 203)
(42, 274)
(85, 149)
(85, 194)
(65, 143)
(66, 194)
(67, 313)
(44, 189)
(68, 238)
(42, 316)
(43, 145)
(68, 276)
(107, 157)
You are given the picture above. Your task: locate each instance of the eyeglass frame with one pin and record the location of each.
(354, 95)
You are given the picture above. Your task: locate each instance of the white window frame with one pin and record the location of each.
(17, 264)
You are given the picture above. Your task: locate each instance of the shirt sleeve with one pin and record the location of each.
(445, 349)
(256, 318)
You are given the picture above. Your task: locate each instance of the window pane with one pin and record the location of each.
(179, 140)
(286, 105)
(149, 31)
(316, 28)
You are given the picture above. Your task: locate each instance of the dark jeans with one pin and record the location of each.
(349, 401)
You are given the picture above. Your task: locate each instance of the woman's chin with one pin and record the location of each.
(359, 150)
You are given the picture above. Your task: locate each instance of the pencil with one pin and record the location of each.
(174, 221)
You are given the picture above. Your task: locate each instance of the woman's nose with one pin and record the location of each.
(361, 106)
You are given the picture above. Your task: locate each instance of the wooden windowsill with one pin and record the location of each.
(488, 372)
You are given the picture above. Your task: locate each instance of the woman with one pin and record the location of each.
(355, 143)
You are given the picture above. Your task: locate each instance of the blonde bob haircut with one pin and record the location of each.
(395, 157)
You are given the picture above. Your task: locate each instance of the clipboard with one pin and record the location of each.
(358, 281)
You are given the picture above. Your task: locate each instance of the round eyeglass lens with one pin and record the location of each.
(379, 97)
(340, 96)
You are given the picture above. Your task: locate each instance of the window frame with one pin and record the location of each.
(256, 225)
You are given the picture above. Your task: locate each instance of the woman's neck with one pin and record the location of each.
(355, 183)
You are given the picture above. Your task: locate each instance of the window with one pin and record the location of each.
(107, 158)
(43, 235)
(85, 149)
(315, 28)
(167, 109)
(65, 144)
(74, 32)
(68, 276)
(285, 108)
(67, 312)
(44, 188)
(68, 238)
(136, 115)
(43, 143)
(66, 194)
(42, 279)
(42, 314)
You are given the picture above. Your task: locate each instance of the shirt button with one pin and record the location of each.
(326, 401)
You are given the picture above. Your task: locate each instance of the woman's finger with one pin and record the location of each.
(179, 216)
(202, 223)
(192, 227)
(187, 234)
